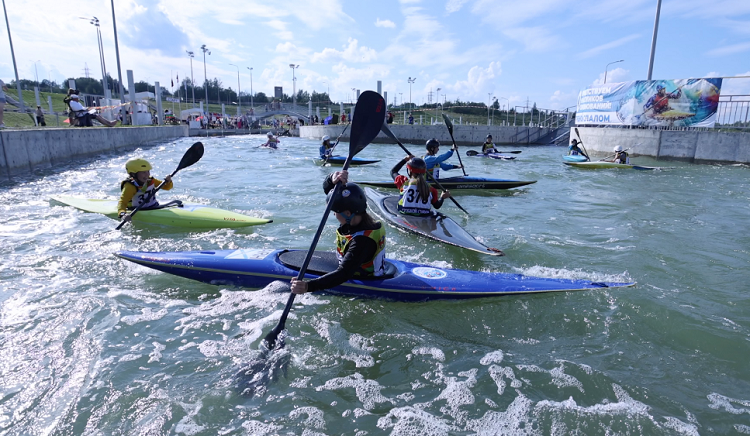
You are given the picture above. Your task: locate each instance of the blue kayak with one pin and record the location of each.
(575, 158)
(494, 156)
(404, 281)
(463, 182)
(339, 161)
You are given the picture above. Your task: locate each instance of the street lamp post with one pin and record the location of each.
(437, 101)
(605, 68)
(294, 85)
(192, 81)
(489, 97)
(251, 88)
(411, 80)
(205, 76)
(503, 98)
(36, 75)
(239, 100)
(95, 22)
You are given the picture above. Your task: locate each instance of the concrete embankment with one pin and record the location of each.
(418, 134)
(24, 151)
(683, 145)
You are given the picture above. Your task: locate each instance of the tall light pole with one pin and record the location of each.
(192, 81)
(294, 85)
(489, 97)
(354, 95)
(120, 88)
(411, 80)
(653, 40)
(503, 98)
(36, 76)
(402, 98)
(13, 55)
(437, 101)
(239, 100)
(95, 22)
(607, 67)
(205, 76)
(251, 87)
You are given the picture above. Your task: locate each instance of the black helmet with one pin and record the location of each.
(416, 165)
(351, 198)
(432, 143)
(574, 141)
(489, 137)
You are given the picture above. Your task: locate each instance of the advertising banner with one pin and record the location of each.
(680, 102)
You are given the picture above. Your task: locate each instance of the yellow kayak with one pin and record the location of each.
(194, 216)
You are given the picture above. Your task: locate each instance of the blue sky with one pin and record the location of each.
(543, 51)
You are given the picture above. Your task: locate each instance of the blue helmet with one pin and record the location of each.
(659, 87)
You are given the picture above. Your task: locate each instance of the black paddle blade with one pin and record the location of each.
(448, 123)
(369, 115)
(471, 152)
(193, 155)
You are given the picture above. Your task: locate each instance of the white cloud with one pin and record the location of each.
(478, 83)
(454, 5)
(384, 23)
(612, 76)
(610, 45)
(730, 49)
(281, 30)
(351, 53)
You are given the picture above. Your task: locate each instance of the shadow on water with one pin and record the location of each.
(263, 369)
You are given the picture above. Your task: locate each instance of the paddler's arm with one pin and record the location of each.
(438, 200)
(126, 196)
(396, 168)
(333, 178)
(360, 249)
(167, 183)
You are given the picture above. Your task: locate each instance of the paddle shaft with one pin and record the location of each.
(337, 143)
(428, 173)
(449, 125)
(585, 153)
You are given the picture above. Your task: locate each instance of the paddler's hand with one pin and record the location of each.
(125, 217)
(340, 176)
(445, 194)
(407, 158)
(455, 147)
(298, 286)
(168, 178)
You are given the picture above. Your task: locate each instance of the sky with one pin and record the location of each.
(535, 51)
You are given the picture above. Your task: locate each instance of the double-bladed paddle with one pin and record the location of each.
(337, 143)
(385, 129)
(585, 153)
(191, 156)
(449, 125)
(370, 116)
(474, 152)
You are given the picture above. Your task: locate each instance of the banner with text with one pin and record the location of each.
(681, 102)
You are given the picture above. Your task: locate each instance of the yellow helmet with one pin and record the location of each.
(137, 164)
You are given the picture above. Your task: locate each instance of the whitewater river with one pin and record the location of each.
(93, 345)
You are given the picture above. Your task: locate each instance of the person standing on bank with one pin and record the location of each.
(40, 116)
(360, 240)
(434, 162)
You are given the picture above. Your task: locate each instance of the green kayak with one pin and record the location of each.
(598, 165)
(194, 216)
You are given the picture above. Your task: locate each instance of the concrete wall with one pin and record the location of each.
(418, 134)
(684, 145)
(24, 151)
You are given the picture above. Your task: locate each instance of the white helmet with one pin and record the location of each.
(269, 134)
(325, 138)
(618, 149)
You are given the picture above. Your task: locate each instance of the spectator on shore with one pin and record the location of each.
(411, 119)
(40, 116)
(82, 111)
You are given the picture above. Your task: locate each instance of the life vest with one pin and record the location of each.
(435, 171)
(488, 147)
(374, 266)
(574, 150)
(622, 157)
(411, 201)
(143, 194)
(661, 103)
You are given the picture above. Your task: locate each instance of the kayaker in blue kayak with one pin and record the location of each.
(326, 148)
(360, 239)
(417, 196)
(488, 146)
(138, 188)
(434, 162)
(621, 156)
(575, 150)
